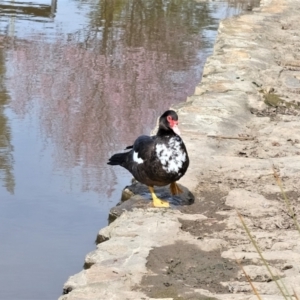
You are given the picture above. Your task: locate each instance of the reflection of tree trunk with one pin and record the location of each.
(108, 16)
(132, 24)
(6, 158)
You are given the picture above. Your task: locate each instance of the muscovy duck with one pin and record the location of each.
(157, 160)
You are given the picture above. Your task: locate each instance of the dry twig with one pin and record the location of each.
(240, 138)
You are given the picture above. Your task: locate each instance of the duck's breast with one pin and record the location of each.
(172, 155)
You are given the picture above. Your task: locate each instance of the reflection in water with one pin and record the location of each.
(6, 149)
(98, 88)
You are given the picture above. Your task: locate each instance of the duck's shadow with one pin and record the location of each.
(137, 195)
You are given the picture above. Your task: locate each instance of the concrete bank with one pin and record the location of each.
(241, 124)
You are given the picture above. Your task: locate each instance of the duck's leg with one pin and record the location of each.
(175, 189)
(156, 201)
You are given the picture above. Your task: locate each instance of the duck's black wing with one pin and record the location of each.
(143, 146)
(141, 142)
(139, 152)
(139, 158)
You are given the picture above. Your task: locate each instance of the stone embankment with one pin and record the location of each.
(241, 125)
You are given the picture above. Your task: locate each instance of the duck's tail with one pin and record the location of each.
(118, 159)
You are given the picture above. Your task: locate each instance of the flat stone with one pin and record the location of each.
(254, 204)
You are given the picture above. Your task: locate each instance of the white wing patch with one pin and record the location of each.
(171, 156)
(136, 158)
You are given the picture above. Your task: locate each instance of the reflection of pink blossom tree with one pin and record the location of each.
(93, 100)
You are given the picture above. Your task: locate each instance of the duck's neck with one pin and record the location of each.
(165, 132)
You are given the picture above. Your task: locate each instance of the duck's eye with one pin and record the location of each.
(171, 121)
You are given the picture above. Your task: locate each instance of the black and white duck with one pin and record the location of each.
(157, 160)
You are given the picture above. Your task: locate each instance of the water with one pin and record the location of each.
(80, 80)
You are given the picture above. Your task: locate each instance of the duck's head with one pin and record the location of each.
(169, 121)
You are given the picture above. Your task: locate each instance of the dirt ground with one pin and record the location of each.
(181, 268)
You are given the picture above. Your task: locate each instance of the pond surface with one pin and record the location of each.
(80, 80)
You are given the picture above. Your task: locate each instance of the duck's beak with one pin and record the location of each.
(176, 129)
